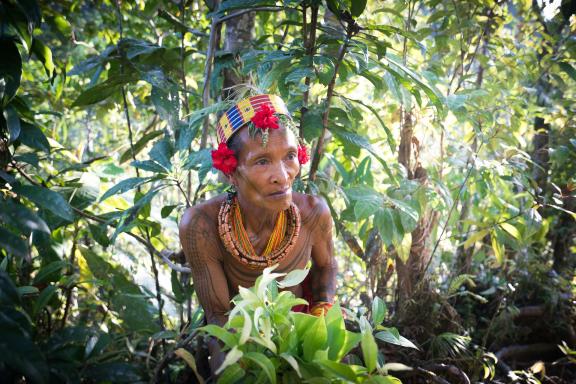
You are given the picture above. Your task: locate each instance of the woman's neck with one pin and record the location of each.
(256, 219)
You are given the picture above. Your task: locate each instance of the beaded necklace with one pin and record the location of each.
(235, 239)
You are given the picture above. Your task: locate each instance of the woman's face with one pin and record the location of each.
(264, 175)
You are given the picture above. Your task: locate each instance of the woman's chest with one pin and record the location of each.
(239, 272)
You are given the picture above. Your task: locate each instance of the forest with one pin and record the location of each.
(442, 136)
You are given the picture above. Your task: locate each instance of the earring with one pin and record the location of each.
(231, 192)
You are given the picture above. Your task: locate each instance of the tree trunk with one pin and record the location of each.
(238, 36)
(412, 272)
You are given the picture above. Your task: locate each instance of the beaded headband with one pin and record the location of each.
(244, 111)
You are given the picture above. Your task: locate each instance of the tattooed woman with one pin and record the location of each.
(229, 240)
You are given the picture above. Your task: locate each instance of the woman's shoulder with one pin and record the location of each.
(312, 207)
(204, 213)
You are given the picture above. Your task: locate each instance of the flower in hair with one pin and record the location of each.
(224, 159)
(303, 155)
(265, 118)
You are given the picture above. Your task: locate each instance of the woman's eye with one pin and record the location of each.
(292, 156)
(262, 162)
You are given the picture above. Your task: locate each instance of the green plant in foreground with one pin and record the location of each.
(267, 342)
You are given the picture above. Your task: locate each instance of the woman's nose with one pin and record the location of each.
(280, 174)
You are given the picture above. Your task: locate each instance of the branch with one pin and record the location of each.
(182, 343)
(210, 51)
(248, 10)
(352, 27)
(310, 48)
(140, 239)
(183, 27)
(523, 351)
(449, 369)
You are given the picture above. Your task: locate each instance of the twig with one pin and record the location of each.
(450, 369)
(471, 167)
(434, 377)
(255, 9)
(174, 20)
(71, 272)
(210, 51)
(158, 370)
(184, 99)
(310, 44)
(320, 144)
(519, 351)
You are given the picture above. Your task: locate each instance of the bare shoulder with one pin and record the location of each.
(314, 210)
(205, 213)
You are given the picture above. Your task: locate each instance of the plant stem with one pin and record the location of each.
(320, 144)
(310, 43)
(70, 273)
(210, 51)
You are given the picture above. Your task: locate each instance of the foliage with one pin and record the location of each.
(267, 341)
(105, 131)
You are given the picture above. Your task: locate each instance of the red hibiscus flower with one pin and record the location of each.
(224, 159)
(265, 118)
(303, 155)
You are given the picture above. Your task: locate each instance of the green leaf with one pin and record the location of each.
(50, 272)
(8, 293)
(167, 210)
(12, 243)
(46, 198)
(325, 68)
(21, 217)
(357, 7)
(162, 153)
(10, 70)
(315, 338)
(139, 145)
(384, 221)
(150, 166)
(231, 375)
(126, 185)
(298, 74)
(408, 215)
(264, 363)
(126, 298)
(363, 209)
(189, 359)
(498, 248)
(32, 136)
(378, 311)
(569, 69)
(293, 278)
(349, 138)
(292, 361)
(44, 298)
(220, 333)
(512, 230)
(44, 54)
(369, 350)
(340, 370)
(166, 103)
(394, 338)
(103, 90)
(403, 246)
(13, 123)
(27, 290)
(177, 287)
(231, 358)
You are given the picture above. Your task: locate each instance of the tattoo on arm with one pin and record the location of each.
(201, 247)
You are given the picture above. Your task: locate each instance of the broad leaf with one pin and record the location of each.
(47, 199)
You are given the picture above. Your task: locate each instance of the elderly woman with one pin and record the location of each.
(229, 240)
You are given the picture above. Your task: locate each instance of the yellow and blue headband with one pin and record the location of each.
(244, 111)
